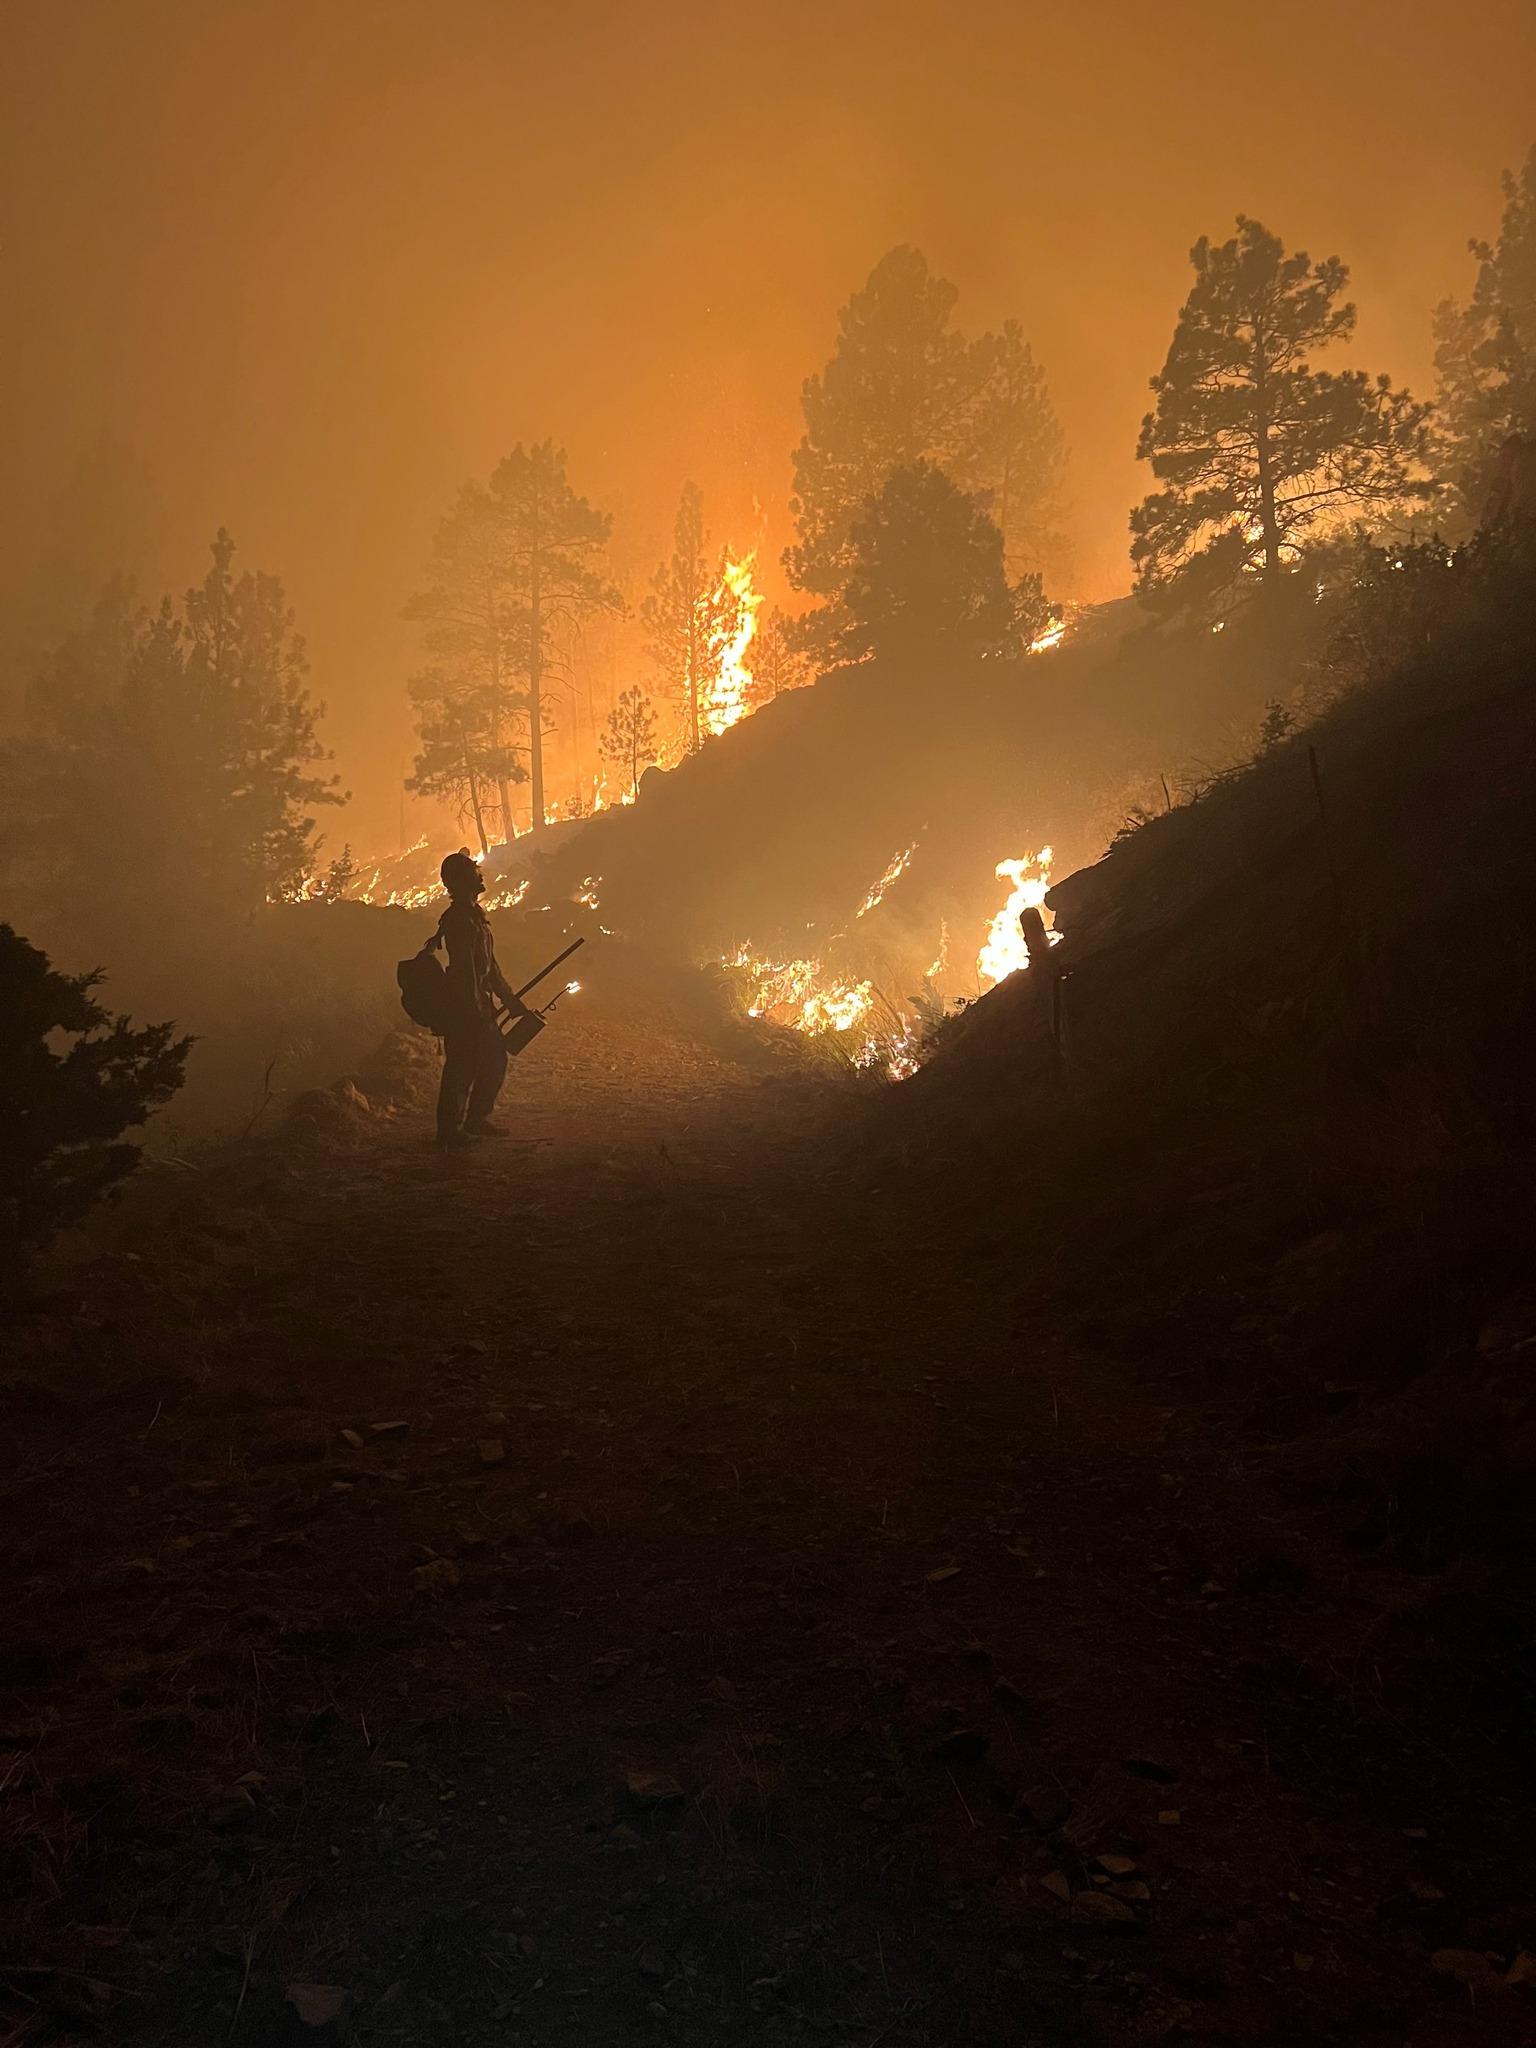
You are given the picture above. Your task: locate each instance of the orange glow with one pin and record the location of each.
(728, 698)
(1003, 951)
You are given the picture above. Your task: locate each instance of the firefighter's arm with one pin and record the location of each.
(505, 994)
(502, 989)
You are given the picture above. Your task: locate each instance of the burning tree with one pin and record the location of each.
(1485, 351)
(926, 577)
(696, 615)
(1256, 450)
(903, 387)
(629, 740)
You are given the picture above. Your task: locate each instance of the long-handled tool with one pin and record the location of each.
(520, 1027)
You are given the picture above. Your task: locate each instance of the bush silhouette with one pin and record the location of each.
(72, 1079)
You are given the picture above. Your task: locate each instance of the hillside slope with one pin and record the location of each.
(778, 830)
(1283, 1149)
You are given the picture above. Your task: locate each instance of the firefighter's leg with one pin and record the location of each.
(460, 1053)
(490, 1072)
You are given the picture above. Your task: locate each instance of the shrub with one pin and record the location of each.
(72, 1079)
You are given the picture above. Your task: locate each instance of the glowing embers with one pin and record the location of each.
(729, 693)
(1003, 951)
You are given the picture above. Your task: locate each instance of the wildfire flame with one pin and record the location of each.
(799, 993)
(1003, 951)
(410, 896)
(728, 703)
(894, 871)
(504, 899)
(805, 995)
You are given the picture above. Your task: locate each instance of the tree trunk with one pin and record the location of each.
(498, 734)
(474, 803)
(536, 670)
(1269, 518)
(693, 675)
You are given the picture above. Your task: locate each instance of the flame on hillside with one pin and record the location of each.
(896, 867)
(808, 996)
(1003, 951)
(728, 697)
(506, 899)
(801, 994)
(369, 885)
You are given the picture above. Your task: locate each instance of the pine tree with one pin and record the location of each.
(340, 873)
(1257, 451)
(463, 757)
(690, 617)
(778, 663)
(902, 387)
(168, 758)
(926, 579)
(1485, 350)
(470, 702)
(553, 543)
(1018, 453)
(628, 742)
(245, 670)
(514, 569)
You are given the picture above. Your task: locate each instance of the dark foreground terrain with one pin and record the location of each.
(653, 1581)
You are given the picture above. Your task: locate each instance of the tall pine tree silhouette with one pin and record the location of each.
(1255, 450)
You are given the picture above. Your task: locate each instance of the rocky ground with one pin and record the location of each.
(650, 1580)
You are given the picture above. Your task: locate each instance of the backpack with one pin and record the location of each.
(424, 986)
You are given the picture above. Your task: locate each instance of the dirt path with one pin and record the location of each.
(637, 1583)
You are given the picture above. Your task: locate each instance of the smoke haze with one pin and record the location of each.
(302, 270)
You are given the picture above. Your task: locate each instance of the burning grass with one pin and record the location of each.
(850, 1010)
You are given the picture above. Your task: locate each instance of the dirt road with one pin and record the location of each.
(642, 1582)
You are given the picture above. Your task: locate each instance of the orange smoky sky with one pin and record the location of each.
(313, 264)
